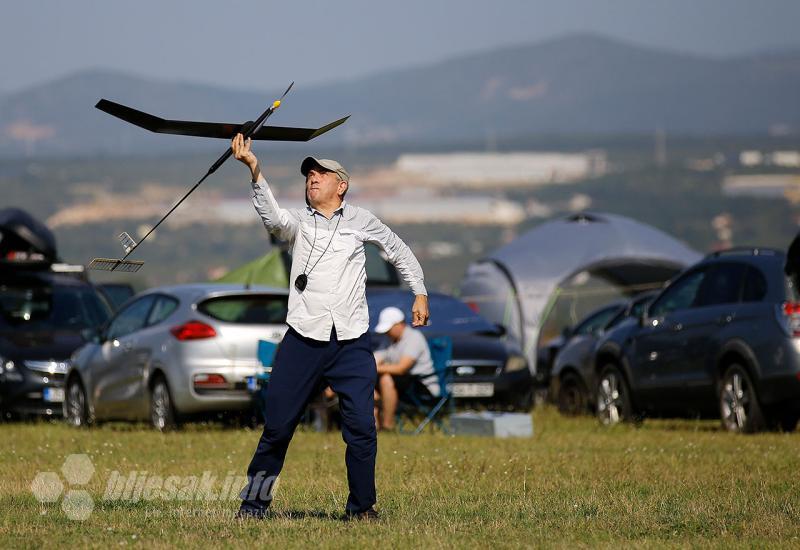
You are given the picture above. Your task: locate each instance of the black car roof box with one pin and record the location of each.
(24, 239)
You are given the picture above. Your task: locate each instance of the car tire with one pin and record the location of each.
(162, 409)
(613, 397)
(572, 398)
(739, 408)
(76, 405)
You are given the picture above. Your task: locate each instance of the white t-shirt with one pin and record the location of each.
(413, 344)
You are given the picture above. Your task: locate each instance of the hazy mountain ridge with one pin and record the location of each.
(575, 84)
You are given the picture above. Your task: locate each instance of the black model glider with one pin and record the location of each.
(251, 129)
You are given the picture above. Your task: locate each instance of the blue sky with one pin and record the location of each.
(250, 44)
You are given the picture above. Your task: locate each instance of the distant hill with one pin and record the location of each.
(578, 84)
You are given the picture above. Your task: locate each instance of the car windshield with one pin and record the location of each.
(38, 306)
(247, 310)
(448, 315)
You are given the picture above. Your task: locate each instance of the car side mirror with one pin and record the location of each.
(501, 329)
(566, 333)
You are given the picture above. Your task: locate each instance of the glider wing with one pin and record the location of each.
(209, 129)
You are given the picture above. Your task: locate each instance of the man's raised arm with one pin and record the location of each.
(277, 220)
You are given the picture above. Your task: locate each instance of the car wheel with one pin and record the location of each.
(571, 396)
(162, 411)
(76, 406)
(738, 403)
(613, 397)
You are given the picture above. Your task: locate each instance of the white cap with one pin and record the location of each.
(388, 318)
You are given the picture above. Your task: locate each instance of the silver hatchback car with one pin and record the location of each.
(175, 351)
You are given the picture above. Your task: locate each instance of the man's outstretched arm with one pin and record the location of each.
(401, 256)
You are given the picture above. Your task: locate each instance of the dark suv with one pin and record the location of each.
(43, 319)
(45, 309)
(722, 339)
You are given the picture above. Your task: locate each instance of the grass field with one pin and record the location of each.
(666, 483)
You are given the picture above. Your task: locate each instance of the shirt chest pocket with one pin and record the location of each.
(346, 242)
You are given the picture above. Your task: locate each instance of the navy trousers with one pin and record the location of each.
(300, 365)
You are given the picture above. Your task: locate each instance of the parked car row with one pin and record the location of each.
(722, 339)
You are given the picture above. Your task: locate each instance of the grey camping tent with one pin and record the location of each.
(557, 272)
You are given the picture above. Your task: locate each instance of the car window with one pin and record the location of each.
(596, 321)
(722, 285)
(679, 295)
(130, 319)
(254, 309)
(755, 285)
(162, 309)
(39, 305)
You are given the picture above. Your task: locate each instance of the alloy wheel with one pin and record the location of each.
(610, 402)
(160, 408)
(735, 401)
(76, 405)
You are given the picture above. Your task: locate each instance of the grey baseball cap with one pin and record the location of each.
(328, 164)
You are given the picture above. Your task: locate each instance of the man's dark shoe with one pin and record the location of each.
(366, 515)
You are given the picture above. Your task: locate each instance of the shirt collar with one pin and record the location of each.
(345, 210)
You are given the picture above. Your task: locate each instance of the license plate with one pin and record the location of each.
(252, 383)
(472, 390)
(53, 394)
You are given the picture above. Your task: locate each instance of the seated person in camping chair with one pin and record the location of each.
(405, 364)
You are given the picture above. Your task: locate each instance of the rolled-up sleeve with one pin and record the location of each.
(279, 221)
(398, 252)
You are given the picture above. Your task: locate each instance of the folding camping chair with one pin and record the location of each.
(257, 385)
(318, 413)
(413, 402)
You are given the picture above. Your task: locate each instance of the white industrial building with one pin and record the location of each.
(532, 168)
(760, 185)
(785, 159)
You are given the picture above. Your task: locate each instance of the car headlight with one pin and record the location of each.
(515, 363)
(6, 365)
